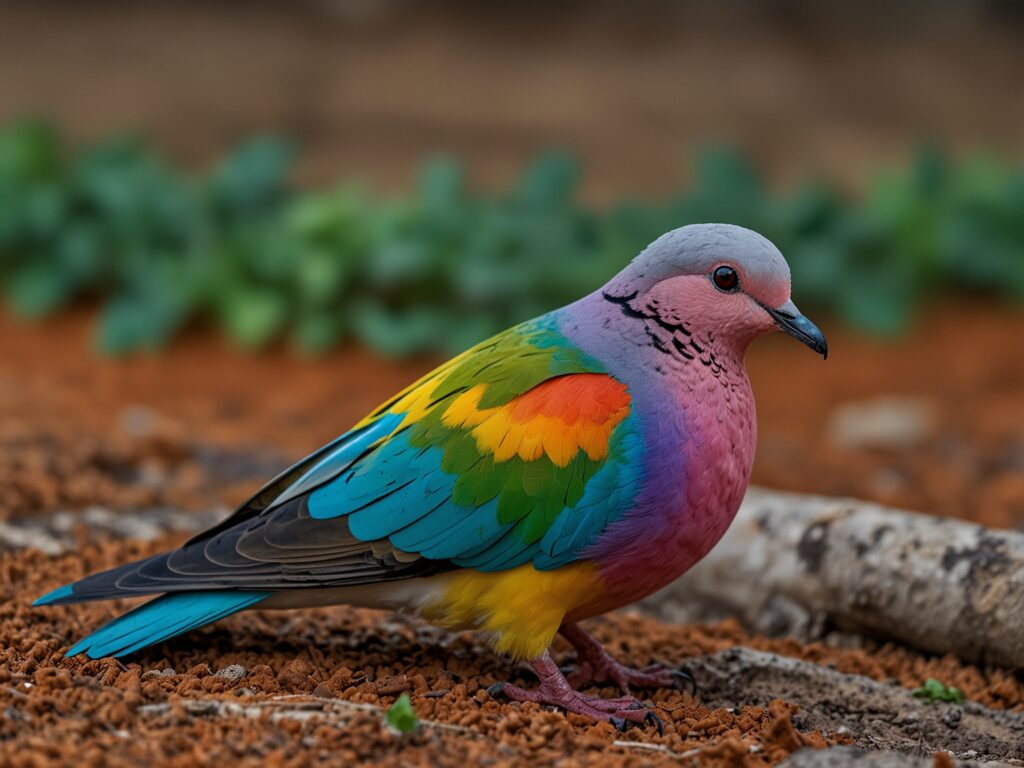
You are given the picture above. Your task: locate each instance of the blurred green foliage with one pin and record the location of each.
(446, 267)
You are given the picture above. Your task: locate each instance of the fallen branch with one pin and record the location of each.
(296, 708)
(938, 584)
(657, 748)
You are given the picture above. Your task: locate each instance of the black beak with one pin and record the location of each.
(789, 319)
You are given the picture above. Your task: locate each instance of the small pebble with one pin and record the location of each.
(233, 673)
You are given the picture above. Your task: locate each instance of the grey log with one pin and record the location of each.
(937, 584)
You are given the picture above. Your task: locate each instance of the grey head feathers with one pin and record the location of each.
(695, 250)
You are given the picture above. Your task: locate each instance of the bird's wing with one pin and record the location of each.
(520, 450)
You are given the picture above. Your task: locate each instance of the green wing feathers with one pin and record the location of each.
(491, 463)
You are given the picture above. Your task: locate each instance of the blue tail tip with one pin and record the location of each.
(51, 597)
(80, 647)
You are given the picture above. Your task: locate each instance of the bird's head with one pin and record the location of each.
(719, 279)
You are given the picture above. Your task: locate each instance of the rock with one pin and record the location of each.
(138, 420)
(154, 674)
(885, 422)
(851, 757)
(831, 700)
(54, 534)
(232, 673)
(841, 757)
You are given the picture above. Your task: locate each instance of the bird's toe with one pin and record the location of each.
(683, 680)
(496, 691)
(654, 720)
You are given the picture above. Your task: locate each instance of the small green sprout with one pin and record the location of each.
(933, 690)
(401, 717)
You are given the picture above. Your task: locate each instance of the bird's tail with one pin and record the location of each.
(162, 619)
(107, 585)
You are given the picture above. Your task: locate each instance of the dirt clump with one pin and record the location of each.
(228, 689)
(232, 682)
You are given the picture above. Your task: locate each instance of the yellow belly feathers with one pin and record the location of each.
(520, 609)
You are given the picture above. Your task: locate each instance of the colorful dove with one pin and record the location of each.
(568, 466)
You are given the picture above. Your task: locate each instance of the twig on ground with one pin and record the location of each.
(298, 707)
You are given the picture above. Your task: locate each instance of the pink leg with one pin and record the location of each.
(555, 690)
(596, 665)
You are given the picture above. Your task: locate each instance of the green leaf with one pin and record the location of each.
(727, 188)
(550, 181)
(934, 690)
(38, 289)
(45, 206)
(448, 265)
(477, 326)
(128, 323)
(29, 149)
(930, 171)
(253, 176)
(395, 333)
(401, 717)
(252, 316)
(440, 186)
(317, 333)
(397, 261)
(321, 275)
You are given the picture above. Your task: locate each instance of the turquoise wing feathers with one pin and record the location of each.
(521, 450)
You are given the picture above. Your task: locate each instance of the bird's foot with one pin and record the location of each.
(626, 678)
(596, 665)
(555, 690)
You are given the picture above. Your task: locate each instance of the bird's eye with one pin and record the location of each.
(726, 279)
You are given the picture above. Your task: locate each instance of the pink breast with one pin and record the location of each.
(699, 455)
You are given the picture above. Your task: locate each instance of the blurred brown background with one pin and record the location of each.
(368, 88)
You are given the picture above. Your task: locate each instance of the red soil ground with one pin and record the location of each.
(76, 431)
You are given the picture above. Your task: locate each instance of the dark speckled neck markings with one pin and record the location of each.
(670, 337)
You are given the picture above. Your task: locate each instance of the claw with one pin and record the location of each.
(684, 678)
(496, 690)
(654, 720)
(555, 690)
(596, 665)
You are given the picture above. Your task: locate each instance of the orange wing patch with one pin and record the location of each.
(558, 417)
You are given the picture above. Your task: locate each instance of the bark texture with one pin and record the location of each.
(791, 563)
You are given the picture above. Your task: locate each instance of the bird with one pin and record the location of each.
(566, 467)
